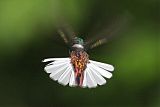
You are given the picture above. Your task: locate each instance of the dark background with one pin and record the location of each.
(28, 35)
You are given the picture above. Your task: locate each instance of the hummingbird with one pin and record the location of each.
(78, 69)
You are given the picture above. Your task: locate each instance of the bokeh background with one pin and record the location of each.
(28, 35)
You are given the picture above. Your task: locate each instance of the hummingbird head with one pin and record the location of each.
(77, 43)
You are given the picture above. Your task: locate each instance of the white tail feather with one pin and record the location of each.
(55, 75)
(52, 68)
(57, 62)
(72, 81)
(91, 83)
(99, 79)
(55, 59)
(95, 72)
(103, 65)
(65, 77)
(61, 69)
(101, 71)
(84, 80)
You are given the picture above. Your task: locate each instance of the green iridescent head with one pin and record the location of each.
(77, 40)
(77, 43)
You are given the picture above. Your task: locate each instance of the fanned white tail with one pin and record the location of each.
(61, 70)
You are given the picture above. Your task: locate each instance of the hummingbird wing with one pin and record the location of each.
(66, 32)
(108, 32)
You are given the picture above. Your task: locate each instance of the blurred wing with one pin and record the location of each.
(113, 29)
(98, 42)
(66, 32)
(61, 70)
(95, 73)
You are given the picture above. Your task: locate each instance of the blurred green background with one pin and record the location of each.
(28, 35)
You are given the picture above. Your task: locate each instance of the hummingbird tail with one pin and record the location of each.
(62, 70)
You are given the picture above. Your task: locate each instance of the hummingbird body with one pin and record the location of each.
(79, 60)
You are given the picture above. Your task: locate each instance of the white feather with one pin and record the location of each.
(57, 62)
(101, 71)
(91, 83)
(84, 80)
(72, 81)
(55, 75)
(103, 65)
(52, 68)
(61, 69)
(65, 77)
(98, 78)
(54, 59)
